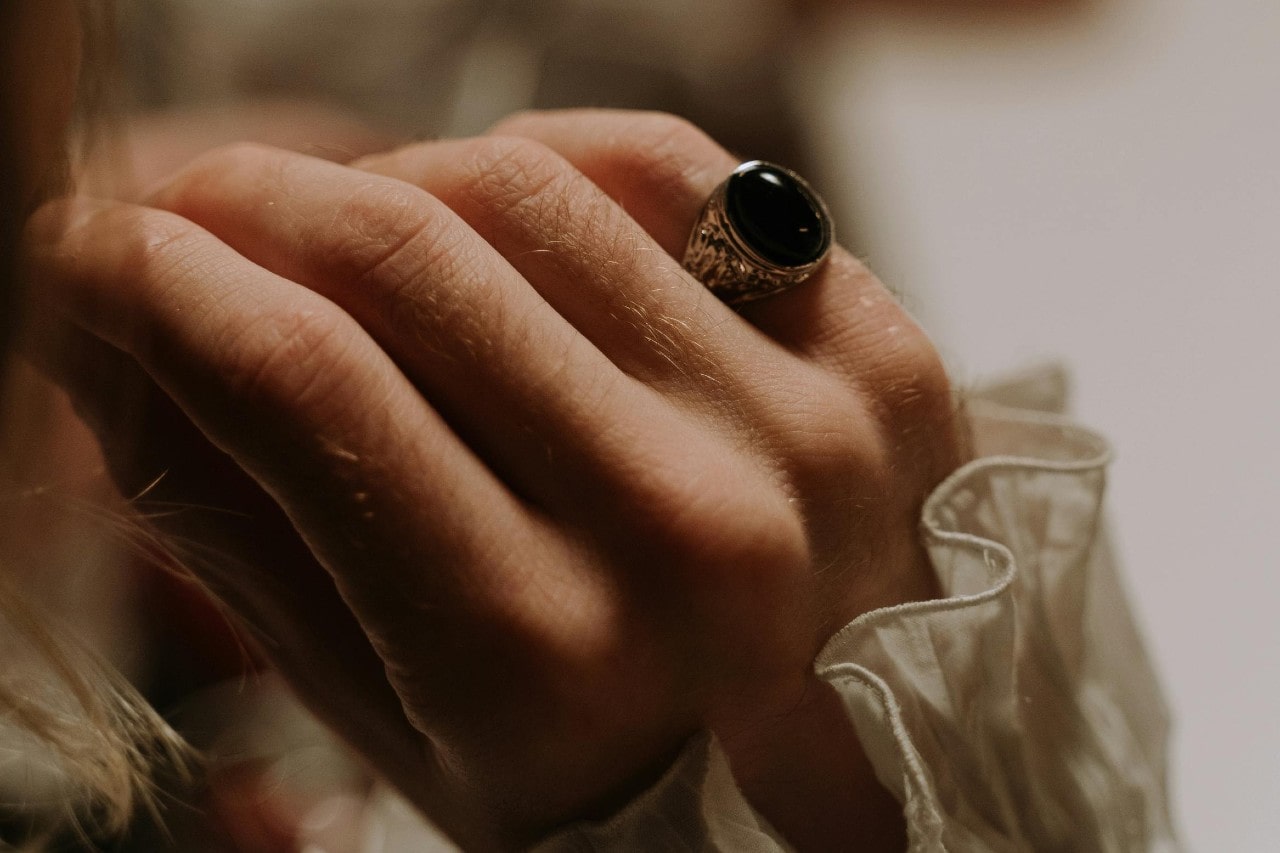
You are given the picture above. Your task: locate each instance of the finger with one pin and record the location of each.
(634, 475)
(294, 391)
(223, 528)
(662, 169)
(589, 259)
(527, 391)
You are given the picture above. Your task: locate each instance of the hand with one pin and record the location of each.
(515, 503)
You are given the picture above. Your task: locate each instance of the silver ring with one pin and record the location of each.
(763, 230)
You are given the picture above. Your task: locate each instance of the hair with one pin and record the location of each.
(82, 739)
(10, 205)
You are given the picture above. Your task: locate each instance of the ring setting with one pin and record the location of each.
(763, 230)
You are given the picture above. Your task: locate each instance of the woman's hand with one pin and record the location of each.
(515, 502)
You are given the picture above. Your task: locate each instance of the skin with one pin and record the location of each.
(484, 438)
(513, 502)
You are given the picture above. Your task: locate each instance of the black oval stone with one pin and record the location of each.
(776, 216)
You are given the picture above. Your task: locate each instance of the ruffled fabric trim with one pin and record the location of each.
(1017, 712)
(1020, 708)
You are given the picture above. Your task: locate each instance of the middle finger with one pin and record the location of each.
(594, 263)
(537, 401)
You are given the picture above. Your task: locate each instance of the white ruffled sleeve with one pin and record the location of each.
(1017, 712)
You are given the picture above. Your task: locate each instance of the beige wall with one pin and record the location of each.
(1104, 187)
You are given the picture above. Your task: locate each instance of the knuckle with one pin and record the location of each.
(414, 262)
(667, 153)
(502, 171)
(371, 226)
(916, 384)
(912, 399)
(405, 253)
(894, 366)
(154, 252)
(288, 356)
(832, 426)
(516, 188)
(727, 522)
(832, 445)
(152, 242)
(126, 266)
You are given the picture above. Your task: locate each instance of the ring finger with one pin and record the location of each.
(662, 170)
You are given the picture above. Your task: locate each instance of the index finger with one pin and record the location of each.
(303, 400)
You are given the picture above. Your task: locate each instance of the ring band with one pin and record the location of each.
(762, 231)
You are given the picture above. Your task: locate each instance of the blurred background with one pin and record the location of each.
(1101, 184)
(1089, 181)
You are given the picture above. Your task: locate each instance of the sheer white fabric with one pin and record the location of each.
(1017, 712)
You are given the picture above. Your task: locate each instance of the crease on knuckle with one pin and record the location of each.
(369, 230)
(428, 289)
(287, 359)
(414, 264)
(507, 173)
